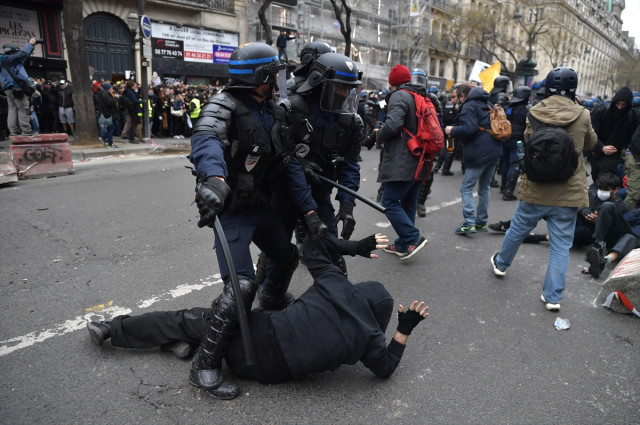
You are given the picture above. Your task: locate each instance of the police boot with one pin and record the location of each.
(446, 166)
(512, 181)
(222, 324)
(425, 190)
(272, 292)
(503, 184)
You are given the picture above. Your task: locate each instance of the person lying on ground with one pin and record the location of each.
(334, 322)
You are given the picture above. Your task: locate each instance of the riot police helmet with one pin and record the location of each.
(9, 49)
(418, 77)
(500, 84)
(308, 54)
(252, 65)
(433, 89)
(520, 94)
(338, 77)
(563, 81)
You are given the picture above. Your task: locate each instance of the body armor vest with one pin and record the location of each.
(517, 127)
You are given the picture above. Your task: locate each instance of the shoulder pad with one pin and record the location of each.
(215, 116)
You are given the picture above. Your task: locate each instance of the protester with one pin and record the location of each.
(64, 93)
(481, 154)
(398, 165)
(556, 202)
(108, 111)
(12, 62)
(334, 322)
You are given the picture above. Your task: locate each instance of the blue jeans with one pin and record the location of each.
(561, 222)
(481, 175)
(401, 201)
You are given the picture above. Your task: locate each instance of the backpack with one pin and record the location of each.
(429, 139)
(500, 125)
(549, 154)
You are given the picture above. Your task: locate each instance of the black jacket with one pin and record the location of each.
(108, 106)
(335, 322)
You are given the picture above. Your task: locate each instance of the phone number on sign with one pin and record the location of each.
(198, 55)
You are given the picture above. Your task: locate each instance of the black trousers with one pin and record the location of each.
(612, 228)
(153, 329)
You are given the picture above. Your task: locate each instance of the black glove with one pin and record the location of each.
(210, 196)
(345, 214)
(317, 229)
(369, 141)
(365, 246)
(311, 171)
(408, 320)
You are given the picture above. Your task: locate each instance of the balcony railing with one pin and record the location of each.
(226, 6)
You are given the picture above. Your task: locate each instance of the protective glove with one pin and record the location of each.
(365, 246)
(369, 141)
(408, 320)
(311, 171)
(210, 197)
(317, 229)
(345, 214)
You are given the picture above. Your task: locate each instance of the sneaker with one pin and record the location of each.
(534, 238)
(550, 306)
(496, 270)
(501, 226)
(596, 261)
(465, 229)
(99, 331)
(494, 183)
(481, 227)
(392, 249)
(414, 248)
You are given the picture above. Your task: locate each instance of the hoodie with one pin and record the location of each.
(614, 127)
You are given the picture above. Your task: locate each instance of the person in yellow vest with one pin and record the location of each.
(194, 109)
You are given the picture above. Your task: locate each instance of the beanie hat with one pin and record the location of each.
(95, 85)
(106, 86)
(399, 74)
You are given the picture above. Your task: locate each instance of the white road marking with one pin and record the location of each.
(13, 344)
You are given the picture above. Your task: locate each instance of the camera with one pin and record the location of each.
(39, 41)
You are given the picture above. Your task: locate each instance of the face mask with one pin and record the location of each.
(603, 195)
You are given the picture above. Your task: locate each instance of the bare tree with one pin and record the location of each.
(465, 28)
(559, 46)
(85, 132)
(345, 24)
(263, 21)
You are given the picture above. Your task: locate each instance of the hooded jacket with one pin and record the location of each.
(398, 164)
(335, 322)
(614, 127)
(563, 112)
(480, 148)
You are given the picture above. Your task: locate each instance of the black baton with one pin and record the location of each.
(353, 193)
(235, 285)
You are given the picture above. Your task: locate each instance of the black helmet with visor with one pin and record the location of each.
(252, 65)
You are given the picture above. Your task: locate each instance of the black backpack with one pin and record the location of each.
(550, 155)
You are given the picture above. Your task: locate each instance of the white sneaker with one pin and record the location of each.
(496, 270)
(550, 306)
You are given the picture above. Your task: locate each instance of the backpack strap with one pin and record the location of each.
(535, 124)
(490, 108)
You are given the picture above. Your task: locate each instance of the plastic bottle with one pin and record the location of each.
(520, 152)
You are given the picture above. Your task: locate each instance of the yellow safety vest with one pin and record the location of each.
(150, 108)
(195, 110)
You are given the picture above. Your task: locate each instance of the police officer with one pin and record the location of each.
(308, 54)
(328, 132)
(498, 94)
(194, 109)
(240, 153)
(12, 60)
(517, 114)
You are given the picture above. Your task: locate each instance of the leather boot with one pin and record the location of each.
(272, 293)
(446, 167)
(222, 324)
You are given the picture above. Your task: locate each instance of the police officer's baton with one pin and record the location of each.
(235, 285)
(353, 193)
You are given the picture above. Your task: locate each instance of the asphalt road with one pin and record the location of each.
(120, 237)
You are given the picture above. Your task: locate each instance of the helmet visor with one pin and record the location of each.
(339, 97)
(418, 79)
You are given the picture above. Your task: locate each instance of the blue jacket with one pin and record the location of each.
(15, 63)
(480, 148)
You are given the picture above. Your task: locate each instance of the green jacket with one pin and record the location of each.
(563, 112)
